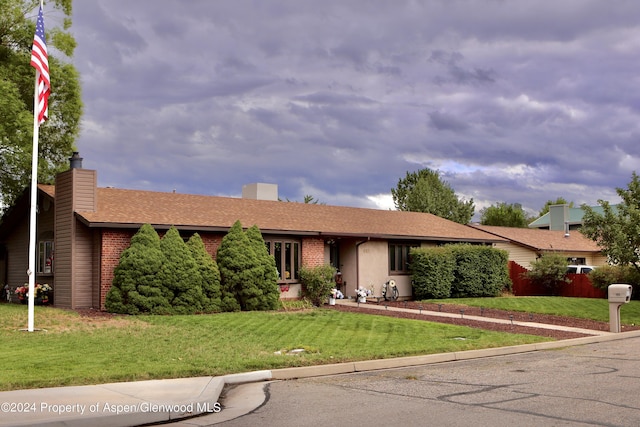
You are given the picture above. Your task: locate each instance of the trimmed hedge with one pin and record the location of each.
(433, 272)
(481, 271)
(459, 271)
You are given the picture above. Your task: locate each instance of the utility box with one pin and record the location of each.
(620, 293)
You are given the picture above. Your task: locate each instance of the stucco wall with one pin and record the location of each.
(373, 257)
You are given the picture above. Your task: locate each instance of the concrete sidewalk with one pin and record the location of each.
(155, 401)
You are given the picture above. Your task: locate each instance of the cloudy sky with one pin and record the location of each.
(513, 101)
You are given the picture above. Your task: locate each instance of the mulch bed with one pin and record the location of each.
(486, 312)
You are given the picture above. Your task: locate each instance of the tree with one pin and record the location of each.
(240, 271)
(550, 271)
(309, 200)
(504, 214)
(180, 274)
(617, 229)
(559, 201)
(268, 282)
(17, 79)
(209, 273)
(425, 191)
(135, 288)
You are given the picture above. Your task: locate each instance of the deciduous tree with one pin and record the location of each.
(504, 214)
(17, 79)
(617, 229)
(558, 201)
(425, 191)
(550, 271)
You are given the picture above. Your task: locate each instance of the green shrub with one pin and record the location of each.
(550, 271)
(180, 274)
(246, 275)
(432, 272)
(135, 288)
(606, 275)
(459, 271)
(481, 271)
(268, 275)
(209, 274)
(317, 282)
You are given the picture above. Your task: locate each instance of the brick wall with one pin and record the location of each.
(312, 251)
(211, 242)
(114, 242)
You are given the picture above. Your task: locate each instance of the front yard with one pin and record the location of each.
(77, 350)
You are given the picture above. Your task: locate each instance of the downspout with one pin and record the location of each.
(358, 261)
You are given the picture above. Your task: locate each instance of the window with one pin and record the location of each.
(399, 257)
(45, 257)
(287, 256)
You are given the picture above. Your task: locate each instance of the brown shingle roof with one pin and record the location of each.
(544, 239)
(48, 189)
(130, 208)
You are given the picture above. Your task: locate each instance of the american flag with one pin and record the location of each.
(40, 61)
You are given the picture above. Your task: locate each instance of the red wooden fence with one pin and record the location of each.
(580, 285)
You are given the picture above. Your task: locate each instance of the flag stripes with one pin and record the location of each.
(40, 61)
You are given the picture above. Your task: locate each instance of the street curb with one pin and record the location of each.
(201, 392)
(247, 377)
(401, 362)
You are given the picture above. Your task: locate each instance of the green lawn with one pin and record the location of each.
(76, 350)
(586, 308)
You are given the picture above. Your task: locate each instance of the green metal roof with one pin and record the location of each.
(575, 216)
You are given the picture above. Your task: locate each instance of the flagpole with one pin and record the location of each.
(40, 62)
(31, 271)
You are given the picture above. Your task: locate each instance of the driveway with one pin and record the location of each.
(594, 384)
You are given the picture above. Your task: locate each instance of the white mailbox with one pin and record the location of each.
(620, 293)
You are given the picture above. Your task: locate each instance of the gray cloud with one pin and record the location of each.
(513, 101)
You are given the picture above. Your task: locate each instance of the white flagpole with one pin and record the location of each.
(31, 271)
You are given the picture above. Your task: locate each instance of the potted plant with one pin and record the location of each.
(335, 294)
(21, 292)
(41, 294)
(361, 294)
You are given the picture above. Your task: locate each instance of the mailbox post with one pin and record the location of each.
(618, 294)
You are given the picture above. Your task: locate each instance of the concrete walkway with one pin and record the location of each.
(179, 400)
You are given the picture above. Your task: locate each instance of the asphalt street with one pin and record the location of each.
(587, 385)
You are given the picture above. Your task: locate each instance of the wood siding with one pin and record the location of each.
(519, 254)
(75, 191)
(18, 255)
(63, 240)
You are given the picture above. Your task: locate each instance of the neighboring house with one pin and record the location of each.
(525, 245)
(83, 230)
(562, 217)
